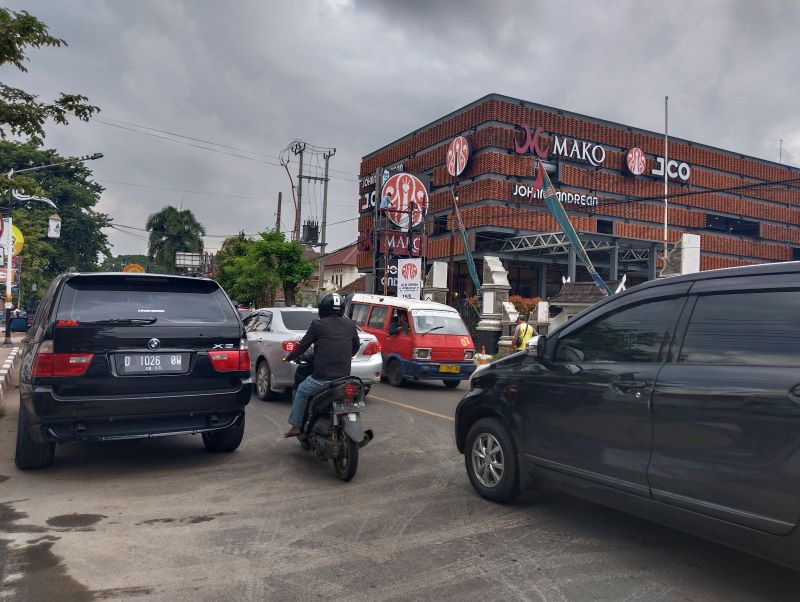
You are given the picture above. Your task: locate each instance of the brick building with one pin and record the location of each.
(610, 181)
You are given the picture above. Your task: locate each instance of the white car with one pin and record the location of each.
(273, 332)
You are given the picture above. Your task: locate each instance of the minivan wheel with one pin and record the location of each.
(491, 461)
(263, 377)
(394, 373)
(225, 440)
(29, 453)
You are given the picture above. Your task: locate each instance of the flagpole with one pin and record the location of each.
(666, 187)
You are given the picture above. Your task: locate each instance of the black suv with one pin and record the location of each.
(122, 356)
(677, 400)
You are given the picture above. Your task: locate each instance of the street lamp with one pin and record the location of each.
(20, 197)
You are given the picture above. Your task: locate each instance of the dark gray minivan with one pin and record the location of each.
(677, 400)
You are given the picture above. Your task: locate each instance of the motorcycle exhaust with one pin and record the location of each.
(368, 436)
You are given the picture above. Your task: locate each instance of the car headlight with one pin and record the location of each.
(422, 353)
(469, 354)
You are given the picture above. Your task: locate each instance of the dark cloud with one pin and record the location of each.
(357, 75)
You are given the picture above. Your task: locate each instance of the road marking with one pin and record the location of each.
(410, 407)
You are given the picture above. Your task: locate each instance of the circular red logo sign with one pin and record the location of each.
(457, 156)
(405, 196)
(409, 271)
(636, 161)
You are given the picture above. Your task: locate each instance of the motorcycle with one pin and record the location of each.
(332, 423)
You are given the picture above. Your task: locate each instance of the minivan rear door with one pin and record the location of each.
(726, 412)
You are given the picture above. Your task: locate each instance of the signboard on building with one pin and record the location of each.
(187, 261)
(409, 278)
(406, 197)
(458, 156)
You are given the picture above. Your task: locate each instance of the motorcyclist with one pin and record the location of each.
(335, 340)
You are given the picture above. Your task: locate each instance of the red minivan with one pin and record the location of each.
(421, 340)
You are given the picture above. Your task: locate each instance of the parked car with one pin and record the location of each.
(122, 356)
(677, 400)
(273, 332)
(421, 340)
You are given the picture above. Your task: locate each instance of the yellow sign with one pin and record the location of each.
(17, 241)
(133, 267)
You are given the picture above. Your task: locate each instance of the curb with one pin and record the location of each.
(7, 371)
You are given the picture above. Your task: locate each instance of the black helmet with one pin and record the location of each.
(331, 304)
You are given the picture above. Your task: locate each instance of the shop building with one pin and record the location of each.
(610, 180)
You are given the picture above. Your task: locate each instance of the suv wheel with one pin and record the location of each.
(491, 461)
(263, 378)
(225, 440)
(31, 454)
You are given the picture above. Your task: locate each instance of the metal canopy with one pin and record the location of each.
(557, 243)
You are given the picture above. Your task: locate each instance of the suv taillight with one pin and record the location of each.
(231, 360)
(373, 348)
(48, 364)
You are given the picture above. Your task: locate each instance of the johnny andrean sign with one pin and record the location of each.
(567, 198)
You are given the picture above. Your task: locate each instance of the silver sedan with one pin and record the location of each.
(273, 332)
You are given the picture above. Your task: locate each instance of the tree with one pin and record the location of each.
(116, 264)
(21, 114)
(252, 271)
(171, 231)
(76, 195)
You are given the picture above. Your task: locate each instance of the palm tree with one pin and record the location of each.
(172, 231)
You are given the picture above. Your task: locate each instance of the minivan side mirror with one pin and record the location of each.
(536, 347)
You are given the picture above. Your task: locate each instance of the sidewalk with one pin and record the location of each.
(8, 365)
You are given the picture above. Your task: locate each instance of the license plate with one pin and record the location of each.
(347, 408)
(152, 363)
(450, 369)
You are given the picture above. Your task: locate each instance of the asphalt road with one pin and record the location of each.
(164, 520)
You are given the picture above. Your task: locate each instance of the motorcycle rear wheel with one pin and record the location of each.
(346, 463)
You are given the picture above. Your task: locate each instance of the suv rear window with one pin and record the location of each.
(172, 301)
(298, 320)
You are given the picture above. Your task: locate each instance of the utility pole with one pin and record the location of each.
(298, 148)
(327, 156)
(278, 218)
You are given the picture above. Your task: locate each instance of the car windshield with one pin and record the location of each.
(298, 320)
(438, 322)
(130, 301)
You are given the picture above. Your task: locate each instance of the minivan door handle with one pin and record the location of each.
(794, 394)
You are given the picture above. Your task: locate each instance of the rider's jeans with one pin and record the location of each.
(305, 390)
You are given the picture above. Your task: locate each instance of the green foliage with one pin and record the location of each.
(252, 271)
(116, 264)
(71, 188)
(21, 114)
(171, 231)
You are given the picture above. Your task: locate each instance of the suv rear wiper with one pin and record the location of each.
(114, 321)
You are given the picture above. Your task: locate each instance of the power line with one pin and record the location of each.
(149, 131)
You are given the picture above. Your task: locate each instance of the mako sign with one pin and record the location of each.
(527, 141)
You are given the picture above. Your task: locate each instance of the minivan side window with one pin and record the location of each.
(358, 313)
(632, 334)
(377, 318)
(753, 328)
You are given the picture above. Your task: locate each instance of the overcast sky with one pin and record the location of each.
(254, 75)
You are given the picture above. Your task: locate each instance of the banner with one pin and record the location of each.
(409, 278)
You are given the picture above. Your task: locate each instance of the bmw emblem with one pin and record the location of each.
(153, 344)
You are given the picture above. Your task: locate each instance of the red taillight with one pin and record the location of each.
(289, 346)
(61, 364)
(244, 355)
(230, 361)
(66, 322)
(351, 391)
(373, 348)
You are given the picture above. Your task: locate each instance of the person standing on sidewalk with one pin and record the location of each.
(523, 333)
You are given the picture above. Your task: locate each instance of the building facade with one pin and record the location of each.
(610, 180)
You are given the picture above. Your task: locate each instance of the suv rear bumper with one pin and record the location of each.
(54, 418)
